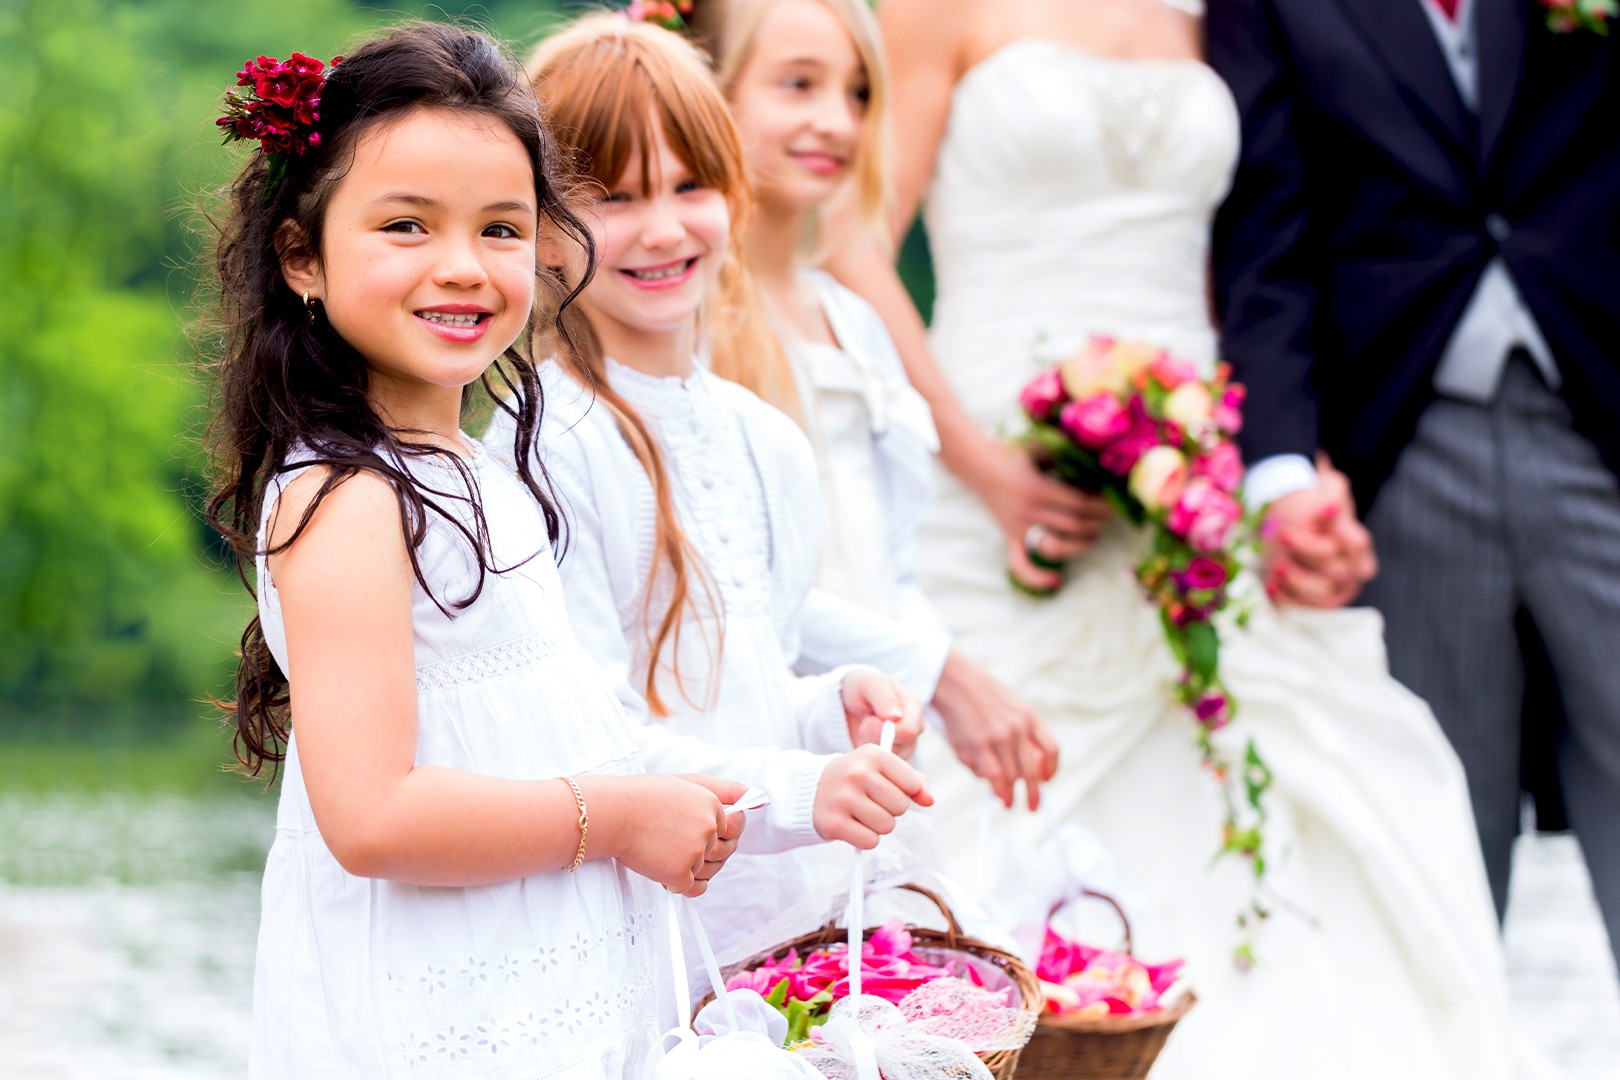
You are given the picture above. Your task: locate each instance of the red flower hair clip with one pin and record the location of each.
(281, 108)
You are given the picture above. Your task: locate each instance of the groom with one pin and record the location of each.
(1418, 276)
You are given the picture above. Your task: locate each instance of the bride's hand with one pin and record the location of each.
(1021, 497)
(993, 732)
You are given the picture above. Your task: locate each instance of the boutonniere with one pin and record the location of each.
(1567, 16)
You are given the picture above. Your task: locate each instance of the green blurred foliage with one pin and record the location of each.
(114, 605)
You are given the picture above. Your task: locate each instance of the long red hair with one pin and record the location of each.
(601, 82)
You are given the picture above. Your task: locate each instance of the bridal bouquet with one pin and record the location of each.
(1141, 427)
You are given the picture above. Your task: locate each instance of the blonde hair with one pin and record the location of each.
(601, 82)
(728, 30)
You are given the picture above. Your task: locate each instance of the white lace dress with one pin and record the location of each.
(1073, 196)
(553, 975)
(742, 479)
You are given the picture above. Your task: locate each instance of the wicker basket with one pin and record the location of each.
(1119, 1047)
(1001, 1063)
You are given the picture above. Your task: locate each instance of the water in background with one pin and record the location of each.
(127, 927)
(128, 923)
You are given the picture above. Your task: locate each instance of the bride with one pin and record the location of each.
(1072, 155)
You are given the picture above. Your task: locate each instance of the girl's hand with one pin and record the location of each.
(1020, 497)
(862, 792)
(679, 837)
(993, 732)
(870, 700)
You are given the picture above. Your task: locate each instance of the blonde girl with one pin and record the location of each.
(806, 83)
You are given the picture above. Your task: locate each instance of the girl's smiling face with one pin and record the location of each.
(427, 265)
(800, 103)
(660, 250)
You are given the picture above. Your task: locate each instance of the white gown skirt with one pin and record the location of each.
(1382, 957)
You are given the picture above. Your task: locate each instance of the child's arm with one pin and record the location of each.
(834, 631)
(814, 797)
(345, 587)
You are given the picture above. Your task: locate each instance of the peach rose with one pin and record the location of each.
(1158, 477)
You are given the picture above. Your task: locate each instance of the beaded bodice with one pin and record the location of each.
(1073, 196)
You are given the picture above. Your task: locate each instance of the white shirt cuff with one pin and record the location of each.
(1269, 479)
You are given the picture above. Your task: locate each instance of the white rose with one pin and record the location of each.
(1189, 406)
(1158, 477)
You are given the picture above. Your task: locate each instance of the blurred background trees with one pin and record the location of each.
(118, 611)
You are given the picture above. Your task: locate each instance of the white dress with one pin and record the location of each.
(1073, 196)
(874, 442)
(553, 975)
(736, 469)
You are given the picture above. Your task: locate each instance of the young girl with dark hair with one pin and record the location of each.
(692, 502)
(463, 880)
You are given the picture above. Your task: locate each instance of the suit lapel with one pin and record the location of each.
(1399, 34)
(1504, 33)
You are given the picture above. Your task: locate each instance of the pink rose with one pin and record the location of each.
(1223, 465)
(1096, 421)
(1228, 412)
(1170, 372)
(1201, 573)
(1213, 711)
(1120, 456)
(1044, 392)
(1204, 516)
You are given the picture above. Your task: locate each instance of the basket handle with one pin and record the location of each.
(1124, 920)
(953, 929)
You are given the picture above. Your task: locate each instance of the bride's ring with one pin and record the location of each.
(1032, 547)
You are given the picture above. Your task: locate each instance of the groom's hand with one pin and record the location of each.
(1318, 555)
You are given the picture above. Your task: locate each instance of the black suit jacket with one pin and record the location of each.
(1369, 199)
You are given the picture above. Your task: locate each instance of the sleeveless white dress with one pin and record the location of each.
(554, 975)
(1073, 196)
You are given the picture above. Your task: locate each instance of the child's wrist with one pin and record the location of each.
(605, 798)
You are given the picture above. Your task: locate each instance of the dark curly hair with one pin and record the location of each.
(287, 382)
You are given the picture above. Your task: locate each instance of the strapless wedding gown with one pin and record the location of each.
(1073, 196)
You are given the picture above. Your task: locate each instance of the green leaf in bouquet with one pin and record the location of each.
(778, 995)
(1124, 505)
(1203, 649)
(1175, 636)
(1256, 777)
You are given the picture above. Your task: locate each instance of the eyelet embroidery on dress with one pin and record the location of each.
(487, 663)
(479, 995)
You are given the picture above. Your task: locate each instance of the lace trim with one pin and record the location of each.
(509, 656)
(508, 1008)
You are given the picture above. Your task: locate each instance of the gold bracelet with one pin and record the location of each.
(584, 824)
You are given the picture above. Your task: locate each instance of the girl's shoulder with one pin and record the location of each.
(579, 440)
(294, 491)
(855, 323)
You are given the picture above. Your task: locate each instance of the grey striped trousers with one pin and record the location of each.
(1493, 508)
